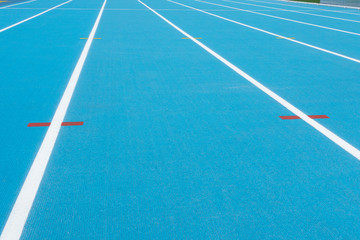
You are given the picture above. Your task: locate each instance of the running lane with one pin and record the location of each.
(333, 11)
(315, 81)
(37, 59)
(5, 3)
(340, 42)
(12, 15)
(176, 145)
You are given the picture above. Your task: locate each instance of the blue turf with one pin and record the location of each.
(175, 145)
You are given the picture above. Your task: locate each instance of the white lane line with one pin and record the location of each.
(324, 4)
(333, 137)
(25, 20)
(24, 8)
(124, 9)
(287, 10)
(20, 211)
(320, 9)
(281, 18)
(270, 33)
(17, 4)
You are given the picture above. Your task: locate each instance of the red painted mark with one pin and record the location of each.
(296, 117)
(48, 124)
(38, 124)
(72, 123)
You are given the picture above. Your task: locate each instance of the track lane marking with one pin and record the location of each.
(284, 38)
(330, 135)
(297, 117)
(281, 18)
(270, 33)
(288, 10)
(47, 124)
(37, 15)
(326, 5)
(319, 9)
(20, 211)
(17, 4)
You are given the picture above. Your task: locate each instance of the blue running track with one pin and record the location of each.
(173, 143)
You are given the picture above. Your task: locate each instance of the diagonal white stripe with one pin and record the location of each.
(37, 15)
(281, 18)
(318, 4)
(332, 136)
(324, 4)
(19, 214)
(270, 33)
(288, 10)
(8, 6)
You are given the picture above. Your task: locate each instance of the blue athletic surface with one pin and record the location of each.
(175, 144)
(4, 3)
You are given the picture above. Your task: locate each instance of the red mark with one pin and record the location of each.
(38, 124)
(296, 117)
(48, 124)
(72, 123)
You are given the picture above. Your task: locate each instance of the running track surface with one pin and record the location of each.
(174, 144)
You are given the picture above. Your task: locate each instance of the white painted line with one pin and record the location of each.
(333, 137)
(123, 9)
(19, 214)
(25, 8)
(324, 4)
(319, 9)
(270, 33)
(25, 20)
(281, 18)
(17, 4)
(287, 10)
